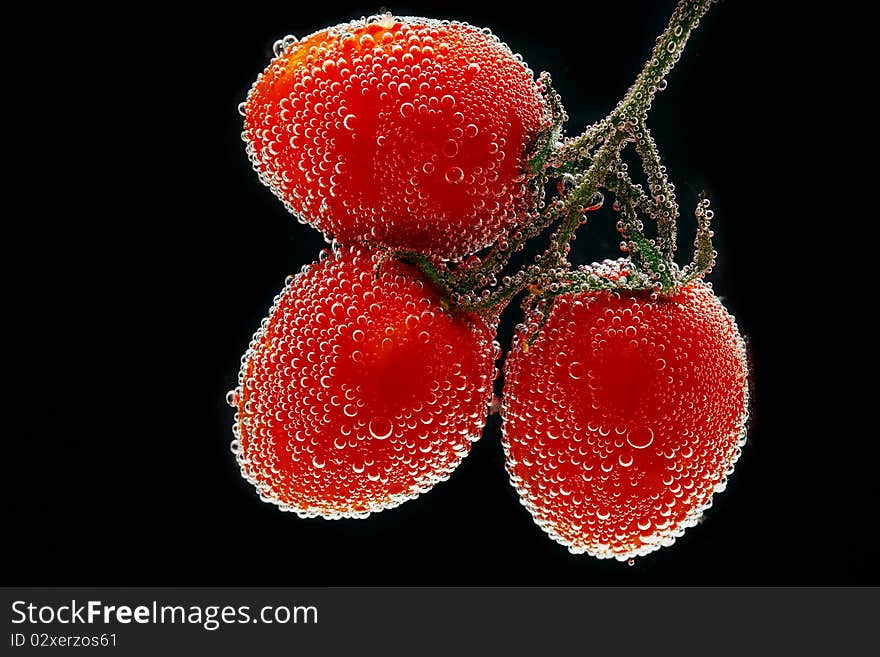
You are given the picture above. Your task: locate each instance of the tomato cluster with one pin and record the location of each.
(410, 142)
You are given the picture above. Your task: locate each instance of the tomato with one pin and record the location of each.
(361, 390)
(624, 417)
(408, 133)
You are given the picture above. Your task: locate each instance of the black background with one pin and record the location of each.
(147, 253)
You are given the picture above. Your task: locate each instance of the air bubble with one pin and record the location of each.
(454, 175)
(640, 437)
(380, 428)
(450, 148)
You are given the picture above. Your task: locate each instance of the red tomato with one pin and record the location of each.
(625, 416)
(361, 390)
(408, 133)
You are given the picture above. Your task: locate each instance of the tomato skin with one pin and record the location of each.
(407, 133)
(624, 417)
(360, 391)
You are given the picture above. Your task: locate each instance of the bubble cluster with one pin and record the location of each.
(409, 133)
(360, 390)
(624, 417)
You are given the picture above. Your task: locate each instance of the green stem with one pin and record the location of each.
(627, 121)
(594, 159)
(704, 252)
(440, 278)
(634, 106)
(637, 101)
(621, 185)
(574, 206)
(645, 254)
(661, 191)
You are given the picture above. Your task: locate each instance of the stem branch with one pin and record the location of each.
(592, 162)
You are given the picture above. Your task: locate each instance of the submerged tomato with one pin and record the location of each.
(360, 391)
(409, 133)
(624, 417)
